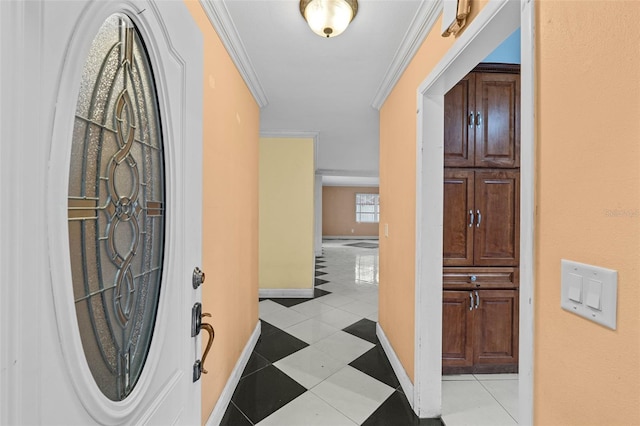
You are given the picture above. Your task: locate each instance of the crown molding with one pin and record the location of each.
(349, 173)
(424, 19)
(221, 21)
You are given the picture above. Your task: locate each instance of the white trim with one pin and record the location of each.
(424, 19)
(494, 23)
(317, 206)
(225, 397)
(221, 21)
(350, 237)
(527, 205)
(401, 374)
(354, 173)
(300, 293)
(355, 185)
(19, 40)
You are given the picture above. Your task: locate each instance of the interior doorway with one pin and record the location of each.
(495, 22)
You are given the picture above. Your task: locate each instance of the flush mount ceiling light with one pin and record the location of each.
(328, 18)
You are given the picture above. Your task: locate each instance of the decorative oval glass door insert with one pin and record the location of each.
(116, 207)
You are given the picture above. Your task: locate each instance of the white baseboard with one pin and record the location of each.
(401, 374)
(301, 293)
(349, 237)
(225, 398)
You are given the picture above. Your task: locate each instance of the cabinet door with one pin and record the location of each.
(497, 132)
(457, 235)
(459, 147)
(496, 327)
(497, 228)
(457, 329)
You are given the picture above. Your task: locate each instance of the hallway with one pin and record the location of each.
(318, 361)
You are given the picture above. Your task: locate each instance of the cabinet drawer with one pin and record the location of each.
(484, 278)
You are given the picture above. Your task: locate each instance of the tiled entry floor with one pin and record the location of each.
(480, 400)
(319, 362)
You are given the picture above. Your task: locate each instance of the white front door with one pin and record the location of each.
(100, 212)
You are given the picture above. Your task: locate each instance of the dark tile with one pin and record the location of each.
(397, 411)
(255, 363)
(319, 273)
(234, 417)
(365, 329)
(321, 266)
(317, 292)
(266, 328)
(320, 281)
(290, 301)
(375, 363)
(264, 392)
(278, 345)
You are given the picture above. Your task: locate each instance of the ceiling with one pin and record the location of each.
(332, 88)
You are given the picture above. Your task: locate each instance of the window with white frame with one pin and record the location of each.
(368, 208)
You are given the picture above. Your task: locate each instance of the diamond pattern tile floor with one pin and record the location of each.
(318, 361)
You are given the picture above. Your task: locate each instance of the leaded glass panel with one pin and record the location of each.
(116, 207)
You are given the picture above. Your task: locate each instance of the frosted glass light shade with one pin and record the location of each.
(328, 18)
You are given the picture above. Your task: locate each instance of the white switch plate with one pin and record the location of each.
(594, 280)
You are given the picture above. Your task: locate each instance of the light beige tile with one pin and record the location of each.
(353, 393)
(309, 410)
(311, 330)
(309, 366)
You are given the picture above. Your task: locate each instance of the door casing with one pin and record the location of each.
(497, 20)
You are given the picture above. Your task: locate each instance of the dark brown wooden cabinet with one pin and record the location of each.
(481, 217)
(496, 331)
(481, 223)
(482, 121)
(480, 331)
(457, 330)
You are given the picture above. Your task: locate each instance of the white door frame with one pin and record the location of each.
(494, 23)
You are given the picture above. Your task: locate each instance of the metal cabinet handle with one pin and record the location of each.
(478, 119)
(471, 119)
(479, 218)
(470, 218)
(470, 301)
(212, 335)
(477, 304)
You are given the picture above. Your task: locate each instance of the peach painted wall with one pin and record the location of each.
(588, 206)
(588, 199)
(339, 212)
(398, 133)
(230, 210)
(286, 253)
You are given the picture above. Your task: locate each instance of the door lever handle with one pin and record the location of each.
(196, 326)
(212, 334)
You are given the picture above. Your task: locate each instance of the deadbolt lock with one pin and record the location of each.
(198, 277)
